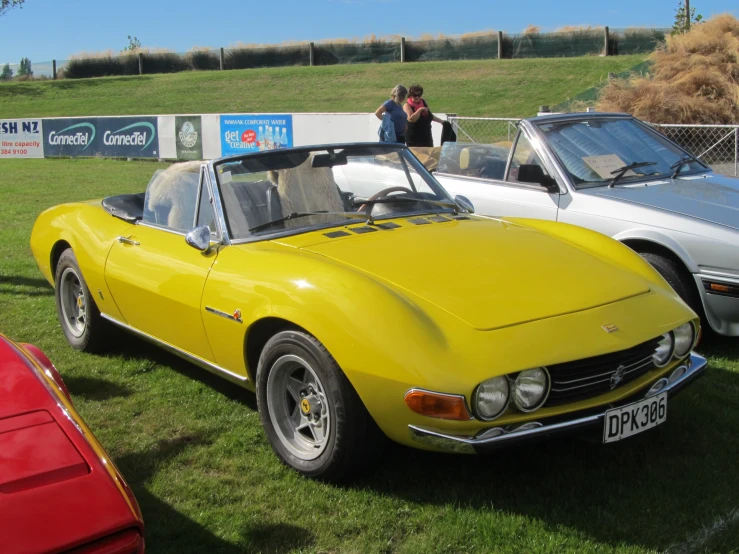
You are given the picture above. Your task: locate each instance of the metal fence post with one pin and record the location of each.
(500, 45)
(53, 69)
(141, 63)
(222, 59)
(311, 54)
(606, 40)
(402, 49)
(736, 152)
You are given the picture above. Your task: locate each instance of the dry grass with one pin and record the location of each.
(531, 30)
(694, 79)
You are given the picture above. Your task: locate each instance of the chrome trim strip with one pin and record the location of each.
(224, 314)
(205, 364)
(459, 443)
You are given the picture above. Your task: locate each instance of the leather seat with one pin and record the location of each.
(250, 204)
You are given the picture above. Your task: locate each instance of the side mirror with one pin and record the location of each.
(199, 238)
(533, 173)
(464, 203)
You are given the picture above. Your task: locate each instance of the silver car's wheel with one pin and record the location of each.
(73, 302)
(298, 407)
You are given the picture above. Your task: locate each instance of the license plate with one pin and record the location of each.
(621, 423)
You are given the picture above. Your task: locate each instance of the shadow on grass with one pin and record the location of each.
(653, 490)
(91, 388)
(167, 530)
(131, 347)
(12, 284)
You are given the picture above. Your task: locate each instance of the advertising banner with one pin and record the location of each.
(70, 137)
(21, 138)
(128, 137)
(189, 139)
(244, 133)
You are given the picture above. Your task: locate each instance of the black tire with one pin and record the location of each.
(353, 440)
(84, 329)
(679, 280)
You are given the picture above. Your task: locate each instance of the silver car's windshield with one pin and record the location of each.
(591, 150)
(303, 189)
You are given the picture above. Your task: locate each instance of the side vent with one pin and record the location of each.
(460, 217)
(336, 234)
(419, 221)
(388, 225)
(361, 230)
(438, 219)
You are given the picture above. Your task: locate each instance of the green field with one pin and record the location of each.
(485, 88)
(192, 447)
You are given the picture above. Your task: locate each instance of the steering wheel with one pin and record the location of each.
(384, 192)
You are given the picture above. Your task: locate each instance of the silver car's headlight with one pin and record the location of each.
(664, 350)
(684, 339)
(531, 389)
(491, 398)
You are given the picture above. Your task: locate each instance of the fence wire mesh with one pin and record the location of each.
(484, 130)
(717, 145)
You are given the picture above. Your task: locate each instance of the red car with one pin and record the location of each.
(59, 490)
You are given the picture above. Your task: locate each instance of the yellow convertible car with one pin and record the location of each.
(360, 301)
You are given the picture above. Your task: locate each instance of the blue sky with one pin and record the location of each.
(55, 29)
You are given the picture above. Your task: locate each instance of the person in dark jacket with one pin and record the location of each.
(418, 130)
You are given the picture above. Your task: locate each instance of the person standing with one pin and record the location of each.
(393, 107)
(418, 130)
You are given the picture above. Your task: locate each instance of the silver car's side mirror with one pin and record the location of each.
(199, 238)
(464, 203)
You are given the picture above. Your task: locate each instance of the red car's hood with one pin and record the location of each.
(55, 492)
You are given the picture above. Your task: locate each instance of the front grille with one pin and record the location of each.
(582, 379)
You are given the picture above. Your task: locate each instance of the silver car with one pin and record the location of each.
(615, 174)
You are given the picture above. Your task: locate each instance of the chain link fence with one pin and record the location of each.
(717, 145)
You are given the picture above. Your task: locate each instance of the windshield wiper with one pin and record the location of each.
(621, 171)
(678, 165)
(295, 215)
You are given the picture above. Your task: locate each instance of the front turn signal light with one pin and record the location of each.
(437, 404)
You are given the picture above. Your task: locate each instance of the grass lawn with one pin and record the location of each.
(192, 447)
(485, 88)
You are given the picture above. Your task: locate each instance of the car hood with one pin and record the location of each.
(709, 197)
(489, 273)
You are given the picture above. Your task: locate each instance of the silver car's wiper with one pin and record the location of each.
(678, 165)
(621, 171)
(295, 215)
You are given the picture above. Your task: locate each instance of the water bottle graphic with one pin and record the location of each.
(283, 138)
(260, 138)
(268, 144)
(277, 138)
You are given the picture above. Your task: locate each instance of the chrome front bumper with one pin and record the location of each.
(496, 437)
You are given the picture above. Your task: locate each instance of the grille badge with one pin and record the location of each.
(617, 376)
(610, 327)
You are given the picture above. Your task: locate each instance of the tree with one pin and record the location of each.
(24, 68)
(7, 73)
(6, 5)
(681, 24)
(134, 44)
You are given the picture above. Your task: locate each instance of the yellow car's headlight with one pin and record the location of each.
(684, 339)
(664, 350)
(491, 398)
(531, 389)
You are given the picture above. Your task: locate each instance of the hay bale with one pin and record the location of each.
(694, 79)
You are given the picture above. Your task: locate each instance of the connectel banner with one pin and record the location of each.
(21, 138)
(241, 134)
(119, 137)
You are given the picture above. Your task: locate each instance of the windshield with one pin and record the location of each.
(302, 189)
(591, 150)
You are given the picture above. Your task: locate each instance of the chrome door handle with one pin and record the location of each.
(126, 240)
